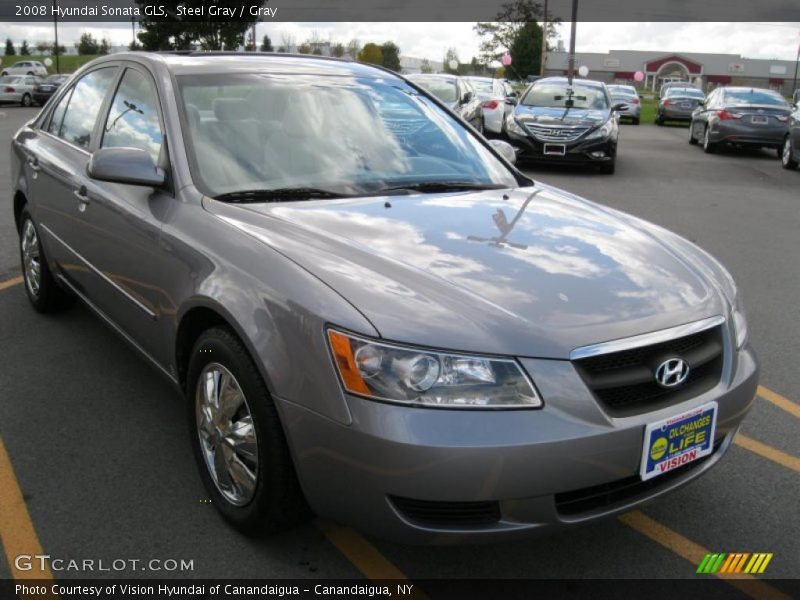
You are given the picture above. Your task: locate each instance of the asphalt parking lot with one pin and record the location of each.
(97, 442)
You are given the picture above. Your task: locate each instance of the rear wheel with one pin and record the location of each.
(659, 121)
(238, 439)
(30, 73)
(636, 120)
(692, 139)
(43, 292)
(709, 147)
(26, 100)
(787, 160)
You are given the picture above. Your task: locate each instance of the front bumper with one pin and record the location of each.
(581, 151)
(523, 462)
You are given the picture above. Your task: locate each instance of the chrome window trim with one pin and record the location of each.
(99, 273)
(646, 339)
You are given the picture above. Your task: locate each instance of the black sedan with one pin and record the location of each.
(741, 116)
(571, 124)
(456, 92)
(790, 153)
(47, 87)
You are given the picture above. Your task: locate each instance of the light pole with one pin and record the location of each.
(55, 28)
(796, 64)
(544, 42)
(573, 24)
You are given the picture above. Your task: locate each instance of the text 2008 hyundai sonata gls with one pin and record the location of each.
(368, 309)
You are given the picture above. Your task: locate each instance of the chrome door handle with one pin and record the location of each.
(82, 195)
(34, 164)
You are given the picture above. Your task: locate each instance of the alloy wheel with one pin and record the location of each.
(31, 258)
(227, 434)
(786, 155)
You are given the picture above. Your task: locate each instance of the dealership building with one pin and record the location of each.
(704, 70)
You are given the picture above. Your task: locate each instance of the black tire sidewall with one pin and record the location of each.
(276, 497)
(51, 296)
(26, 100)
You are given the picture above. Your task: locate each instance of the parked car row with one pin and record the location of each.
(27, 90)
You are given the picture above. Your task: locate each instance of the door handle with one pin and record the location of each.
(82, 195)
(34, 164)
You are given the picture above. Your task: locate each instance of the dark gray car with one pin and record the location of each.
(741, 116)
(678, 104)
(790, 154)
(366, 308)
(456, 92)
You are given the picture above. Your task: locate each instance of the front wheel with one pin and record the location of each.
(27, 100)
(40, 286)
(238, 439)
(692, 139)
(787, 160)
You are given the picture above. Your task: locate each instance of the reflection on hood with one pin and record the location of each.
(556, 116)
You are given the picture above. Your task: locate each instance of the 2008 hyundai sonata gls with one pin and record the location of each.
(367, 307)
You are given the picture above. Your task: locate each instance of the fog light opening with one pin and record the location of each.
(598, 154)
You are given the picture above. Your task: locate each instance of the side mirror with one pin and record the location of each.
(619, 107)
(132, 166)
(512, 99)
(505, 149)
(466, 97)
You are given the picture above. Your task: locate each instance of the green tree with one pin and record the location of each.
(304, 48)
(10, 50)
(449, 56)
(43, 47)
(498, 36)
(337, 50)
(390, 53)
(134, 46)
(104, 46)
(317, 51)
(425, 66)
(526, 51)
(24, 50)
(371, 53)
(266, 44)
(87, 44)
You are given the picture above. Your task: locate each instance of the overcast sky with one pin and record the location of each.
(430, 40)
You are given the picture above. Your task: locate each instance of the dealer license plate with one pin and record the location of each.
(686, 105)
(759, 120)
(557, 149)
(679, 440)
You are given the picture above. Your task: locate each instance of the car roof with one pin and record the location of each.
(197, 63)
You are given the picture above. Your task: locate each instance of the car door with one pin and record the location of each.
(122, 223)
(56, 172)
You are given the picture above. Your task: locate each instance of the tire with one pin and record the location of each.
(609, 168)
(636, 121)
(659, 121)
(692, 139)
(272, 500)
(787, 161)
(709, 147)
(4, 74)
(26, 100)
(44, 293)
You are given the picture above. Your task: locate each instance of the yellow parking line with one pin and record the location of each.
(10, 282)
(16, 529)
(768, 452)
(780, 401)
(694, 553)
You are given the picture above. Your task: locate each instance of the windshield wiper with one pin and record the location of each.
(280, 195)
(430, 187)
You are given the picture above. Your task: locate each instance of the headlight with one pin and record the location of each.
(429, 378)
(739, 325)
(513, 126)
(604, 131)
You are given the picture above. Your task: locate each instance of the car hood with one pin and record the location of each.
(561, 116)
(530, 272)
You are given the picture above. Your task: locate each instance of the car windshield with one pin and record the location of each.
(335, 135)
(8, 79)
(685, 93)
(554, 94)
(444, 89)
(483, 87)
(621, 90)
(754, 97)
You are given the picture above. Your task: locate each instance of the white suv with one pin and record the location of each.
(26, 67)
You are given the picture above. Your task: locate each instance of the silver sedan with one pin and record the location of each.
(18, 89)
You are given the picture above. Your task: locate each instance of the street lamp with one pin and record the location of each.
(55, 28)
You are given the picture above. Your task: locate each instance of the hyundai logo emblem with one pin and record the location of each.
(672, 372)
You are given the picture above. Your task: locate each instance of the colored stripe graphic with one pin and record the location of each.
(734, 562)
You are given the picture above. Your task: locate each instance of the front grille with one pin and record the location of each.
(599, 497)
(624, 382)
(547, 133)
(429, 512)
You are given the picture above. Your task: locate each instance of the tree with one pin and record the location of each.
(498, 36)
(104, 47)
(24, 50)
(58, 50)
(450, 56)
(43, 47)
(304, 48)
(266, 44)
(317, 51)
(526, 51)
(10, 50)
(425, 66)
(391, 56)
(371, 53)
(337, 50)
(134, 46)
(353, 48)
(87, 44)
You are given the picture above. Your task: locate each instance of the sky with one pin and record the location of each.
(430, 40)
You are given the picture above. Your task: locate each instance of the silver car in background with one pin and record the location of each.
(366, 308)
(629, 96)
(741, 116)
(678, 104)
(497, 101)
(18, 89)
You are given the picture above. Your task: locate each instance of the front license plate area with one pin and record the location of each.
(759, 120)
(557, 149)
(679, 440)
